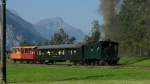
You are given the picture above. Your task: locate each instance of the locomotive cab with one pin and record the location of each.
(110, 52)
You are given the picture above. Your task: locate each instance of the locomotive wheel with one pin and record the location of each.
(82, 62)
(74, 62)
(92, 63)
(114, 62)
(102, 62)
(97, 63)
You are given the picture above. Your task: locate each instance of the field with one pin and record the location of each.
(135, 72)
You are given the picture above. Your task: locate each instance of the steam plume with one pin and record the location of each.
(108, 9)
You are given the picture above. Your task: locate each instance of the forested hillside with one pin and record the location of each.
(128, 22)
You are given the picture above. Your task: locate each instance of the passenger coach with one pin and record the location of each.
(63, 52)
(23, 54)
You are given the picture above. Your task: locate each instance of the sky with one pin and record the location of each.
(78, 13)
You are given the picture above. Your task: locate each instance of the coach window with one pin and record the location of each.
(71, 52)
(48, 52)
(44, 52)
(59, 52)
(25, 50)
(53, 52)
(15, 51)
(39, 52)
(92, 49)
(56, 52)
(75, 51)
(18, 51)
(30, 50)
(63, 52)
(98, 48)
(21, 50)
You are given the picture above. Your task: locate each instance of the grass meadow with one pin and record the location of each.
(137, 72)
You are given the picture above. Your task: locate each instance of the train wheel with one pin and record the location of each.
(95, 63)
(14, 61)
(28, 61)
(101, 62)
(52, 62)
(21, 61)
(92, 63)
(33, 62)
(74, 62)
(114, 62)
(82, 62)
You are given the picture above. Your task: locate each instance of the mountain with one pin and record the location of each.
(48, 27)
(18, 30)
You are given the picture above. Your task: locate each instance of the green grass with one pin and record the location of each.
(25, 73)
(144, 62)
(132, 59)
(63, 74)
(93, 82)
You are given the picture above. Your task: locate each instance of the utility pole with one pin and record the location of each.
(3, 40)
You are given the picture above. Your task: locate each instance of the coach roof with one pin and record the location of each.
(61, 46)
(25, 47)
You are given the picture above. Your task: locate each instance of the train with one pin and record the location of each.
(99, 53)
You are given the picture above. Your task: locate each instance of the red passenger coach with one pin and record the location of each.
(24, 53)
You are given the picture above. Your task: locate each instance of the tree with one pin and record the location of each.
(25, 43)
(134, 21)
(72, 40)
(95, 33)
(61, 37)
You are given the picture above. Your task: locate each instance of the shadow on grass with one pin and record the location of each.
(87, 77)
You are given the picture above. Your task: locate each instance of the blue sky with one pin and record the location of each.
(78, 13)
